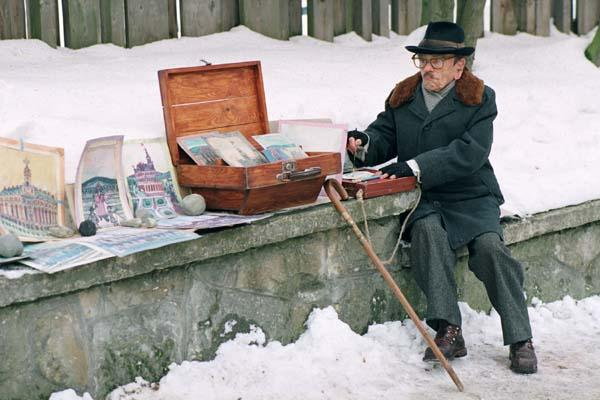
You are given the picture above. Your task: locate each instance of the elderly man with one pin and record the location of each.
(438, 123)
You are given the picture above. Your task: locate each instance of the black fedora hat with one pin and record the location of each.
(443, 38)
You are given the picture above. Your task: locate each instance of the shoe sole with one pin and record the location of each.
(460, 353)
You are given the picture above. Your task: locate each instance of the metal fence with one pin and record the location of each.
(130, 23)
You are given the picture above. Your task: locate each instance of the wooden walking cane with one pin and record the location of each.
(332, 184)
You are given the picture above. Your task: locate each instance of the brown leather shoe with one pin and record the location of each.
(451, 343)
(522, 357)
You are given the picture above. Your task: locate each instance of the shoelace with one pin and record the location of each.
(449, 335)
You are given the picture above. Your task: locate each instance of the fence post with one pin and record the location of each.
(542, 17)
(381, 17)
(526, 16)
(295, 17)
(588, 15)
(200, 18)
(406, 16)
(43, 21)
(147, 21)
(12, 20)
(82, 23)
(562, 14)
(437, 10)
(504, 16)
(362, 18)
(339, 17)
(320, 19)
(112, 16)
(269, 17)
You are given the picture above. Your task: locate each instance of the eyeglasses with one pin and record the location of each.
(435, 62)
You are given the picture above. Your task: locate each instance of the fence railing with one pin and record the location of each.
(130, 23)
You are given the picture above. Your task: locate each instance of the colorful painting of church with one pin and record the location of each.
(26, 210)
(101, 201)
(152, 190)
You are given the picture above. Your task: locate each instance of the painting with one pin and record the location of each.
(150, 177)
(32, 187)
(235, 149)
(100, 189)
(198, 149)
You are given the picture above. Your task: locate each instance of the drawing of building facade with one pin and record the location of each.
(25, 209)
(150, 190)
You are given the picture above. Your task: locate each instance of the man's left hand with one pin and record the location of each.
(396, 170)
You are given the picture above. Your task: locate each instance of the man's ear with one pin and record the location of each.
(459, 67)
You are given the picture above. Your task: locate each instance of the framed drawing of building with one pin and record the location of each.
(100, 190)
(32, 187)
(150, 177)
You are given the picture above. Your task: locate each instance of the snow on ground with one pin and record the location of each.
(547, 134)
(330, 361)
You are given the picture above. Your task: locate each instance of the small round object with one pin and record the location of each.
(10, 246)
(193, 204)
(87, 228)
(143, 213)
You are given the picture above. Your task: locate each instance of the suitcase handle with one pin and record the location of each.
(299, 175)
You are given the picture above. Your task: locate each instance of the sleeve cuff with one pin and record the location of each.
(415, 169)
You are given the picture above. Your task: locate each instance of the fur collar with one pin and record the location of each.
(469, 89)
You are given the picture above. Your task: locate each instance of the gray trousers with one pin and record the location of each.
(433, 262)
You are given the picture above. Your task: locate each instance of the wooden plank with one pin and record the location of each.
(12, 20)
(43, 21)
(320, 19)
(339, 17)
(362, 14)
(526, 16)
(437, 10)
(295, 17)
(504, 16)
(562, 12)
(381, 17)
(269, 17)
(82, 23)
(201, 17)
(469, 16)
(588, 15)
(213, 85)
(399, 16)
(146, 21)
(112, 17)
(214, 114)
(543, 10)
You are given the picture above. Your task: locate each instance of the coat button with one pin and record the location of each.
(436, 203)
(427, 127)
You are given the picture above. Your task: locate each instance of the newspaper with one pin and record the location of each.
(208, 221)
(52, 257)
(125, 241)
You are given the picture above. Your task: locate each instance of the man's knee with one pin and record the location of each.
(486, 245)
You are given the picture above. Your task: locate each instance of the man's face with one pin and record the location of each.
(438, 70)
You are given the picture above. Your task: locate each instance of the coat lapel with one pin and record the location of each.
(417, 106)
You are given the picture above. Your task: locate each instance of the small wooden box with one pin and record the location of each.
(380, 187)
(225, 98)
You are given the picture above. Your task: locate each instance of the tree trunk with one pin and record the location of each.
(470, 17)
(437, 10)
(592, 52)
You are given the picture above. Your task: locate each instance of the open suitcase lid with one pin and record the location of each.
(225, 98)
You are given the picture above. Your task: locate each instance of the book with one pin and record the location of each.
(361, 176)
(278, 147)
(198, 149)
(235, 149)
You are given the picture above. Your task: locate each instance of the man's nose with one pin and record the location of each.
(428, 67)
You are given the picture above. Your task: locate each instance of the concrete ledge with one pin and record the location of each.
(282, 226)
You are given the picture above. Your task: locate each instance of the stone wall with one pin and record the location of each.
(101, 325)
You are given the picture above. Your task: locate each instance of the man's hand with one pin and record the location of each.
(396, 170)
(356, 139)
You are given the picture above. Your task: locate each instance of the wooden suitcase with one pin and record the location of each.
(225, 98)
(380, 187)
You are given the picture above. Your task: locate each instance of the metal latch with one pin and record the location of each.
(289, 173)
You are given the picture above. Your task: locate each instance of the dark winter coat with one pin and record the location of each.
(451, 145)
